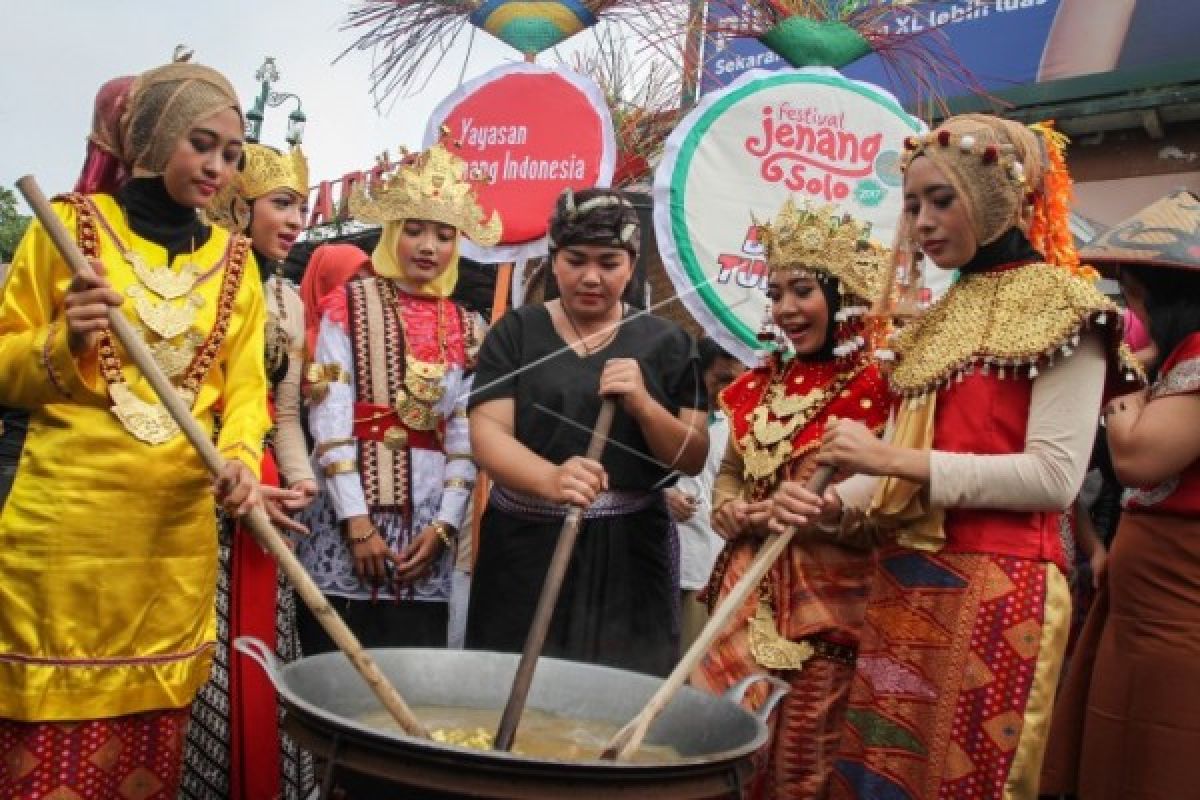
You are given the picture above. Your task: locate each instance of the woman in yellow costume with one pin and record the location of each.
(803, 623)
(235, 748)
(108, 541)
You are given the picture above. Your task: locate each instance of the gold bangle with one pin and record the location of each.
(458, 457)
(459, 413)
(341, 468)
(442, 530)
(325, 447)
(360, 539)
(458, 483)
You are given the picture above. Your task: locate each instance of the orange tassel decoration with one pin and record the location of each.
(1050, 232)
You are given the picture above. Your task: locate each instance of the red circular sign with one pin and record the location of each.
(533, 133)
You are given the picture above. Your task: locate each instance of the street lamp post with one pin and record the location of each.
(268, 74)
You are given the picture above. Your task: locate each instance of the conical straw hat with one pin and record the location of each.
(1165, 233)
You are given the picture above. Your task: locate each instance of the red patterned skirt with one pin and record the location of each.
(135, 757)
(955, 678)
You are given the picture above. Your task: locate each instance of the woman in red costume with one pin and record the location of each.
(1001, 384)
(803, 624)
(1127, 723)
(235, 748)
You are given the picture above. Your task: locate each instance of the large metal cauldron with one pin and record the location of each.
(324, 696)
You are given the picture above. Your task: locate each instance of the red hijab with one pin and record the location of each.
(102, 169)
(329, 267)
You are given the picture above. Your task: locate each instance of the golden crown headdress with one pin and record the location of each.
(265, 170)
(821, 240)
(432, 185)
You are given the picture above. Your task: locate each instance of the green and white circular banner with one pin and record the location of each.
(740, 154)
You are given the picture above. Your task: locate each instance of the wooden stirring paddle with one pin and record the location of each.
(627, 740)
(548, 599)
(257, 521)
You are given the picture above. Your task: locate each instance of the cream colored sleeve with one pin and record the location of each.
(857, 491)
(291, 451)
(728, 485)
(1063, 416)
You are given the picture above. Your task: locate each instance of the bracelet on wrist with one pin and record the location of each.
(442, 530)
(361, 538)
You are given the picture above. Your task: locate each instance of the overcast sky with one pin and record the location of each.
(58, 52)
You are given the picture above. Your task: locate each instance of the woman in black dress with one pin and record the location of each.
(542, 373)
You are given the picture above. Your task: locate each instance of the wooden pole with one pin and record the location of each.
(549, 596)
(257, 520)
(627, 740)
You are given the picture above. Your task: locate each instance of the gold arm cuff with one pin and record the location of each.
(459, 413)
(442, 530)
(326, 446)
(341, 468)
(317, 378)
(458, 483)
(326, 373)
(459, 457)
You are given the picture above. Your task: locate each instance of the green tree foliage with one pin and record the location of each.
(12, 224)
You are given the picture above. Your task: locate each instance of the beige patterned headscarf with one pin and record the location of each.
(994, 202)
(164, 104)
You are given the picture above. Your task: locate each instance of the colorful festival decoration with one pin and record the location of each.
(527, 151)
(837, 33)
(410, 38)
(807, 134)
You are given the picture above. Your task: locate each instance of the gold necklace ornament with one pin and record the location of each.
(424, 381)
(173, 357)
(771, 650)
(163, 281)
(166, 320)
(767, 445)
(147, 420)
(150, 422)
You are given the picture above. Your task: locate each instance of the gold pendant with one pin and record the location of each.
(146, 421)
(176, 358)
(395, 438)
(785, 405)
(417, 416)
(166, 320)
(770, 649)
(768, 432)
(163, 281)
(762, 462)
(424, 379)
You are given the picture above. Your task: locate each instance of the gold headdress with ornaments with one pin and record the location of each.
(821, 240)
(265, 170)
(432, 185)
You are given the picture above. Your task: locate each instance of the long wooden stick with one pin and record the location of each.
(548, 599)
(627, 740)
(257, 520)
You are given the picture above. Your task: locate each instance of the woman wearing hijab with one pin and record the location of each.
(109, 552)
(542, 373)
(234, 737)
(390, 375)
(1001, 384)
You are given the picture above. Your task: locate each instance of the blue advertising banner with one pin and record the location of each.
(1003, 43)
